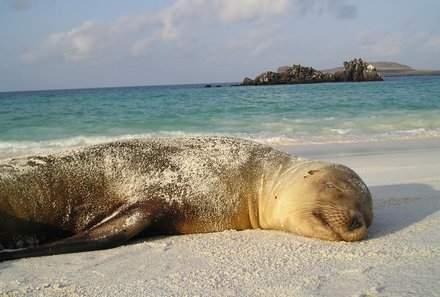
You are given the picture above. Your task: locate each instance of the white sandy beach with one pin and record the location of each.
(401, 256)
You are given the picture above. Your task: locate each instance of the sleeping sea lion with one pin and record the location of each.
(100, 196)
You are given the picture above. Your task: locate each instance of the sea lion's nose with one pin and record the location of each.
(355, 223)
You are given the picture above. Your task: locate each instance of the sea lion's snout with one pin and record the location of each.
(355, 224)
(356, 228)
(338, 224)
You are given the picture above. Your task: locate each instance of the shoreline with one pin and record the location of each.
(402, 161)
(302, 149)
(361, 148)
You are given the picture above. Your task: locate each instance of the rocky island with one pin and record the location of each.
(386, 68)
(353, 71)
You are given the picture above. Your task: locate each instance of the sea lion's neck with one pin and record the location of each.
(281, 196)
(271, 186)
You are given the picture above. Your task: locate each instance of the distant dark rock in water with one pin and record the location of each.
(210, 86)
(355, 70)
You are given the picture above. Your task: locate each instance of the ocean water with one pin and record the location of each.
(397, 108)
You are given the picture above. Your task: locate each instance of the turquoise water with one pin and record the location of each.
(397, 108)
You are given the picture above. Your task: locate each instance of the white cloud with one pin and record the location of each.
(231, 11)
(257, 42)
(87, 41)
(141, 32)
(143, 47)
(168, 26)
(82, 43)
(184, 15)
(132, 24)
(340, 9)
(142, 35)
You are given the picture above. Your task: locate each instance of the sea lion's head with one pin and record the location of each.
(326, 201)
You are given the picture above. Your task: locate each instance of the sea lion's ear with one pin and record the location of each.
(311, 172)
(110, 232)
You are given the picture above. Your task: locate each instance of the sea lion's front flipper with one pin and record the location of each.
(110, 232)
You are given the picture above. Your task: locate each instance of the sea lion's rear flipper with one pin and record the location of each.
(110, 232)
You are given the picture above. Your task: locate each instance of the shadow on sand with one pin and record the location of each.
(397, 207)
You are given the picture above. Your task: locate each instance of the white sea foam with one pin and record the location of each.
(16, 148)
(341, 131)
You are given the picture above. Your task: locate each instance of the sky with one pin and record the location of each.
(55, 44)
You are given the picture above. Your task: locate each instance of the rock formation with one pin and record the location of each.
(355, 70)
